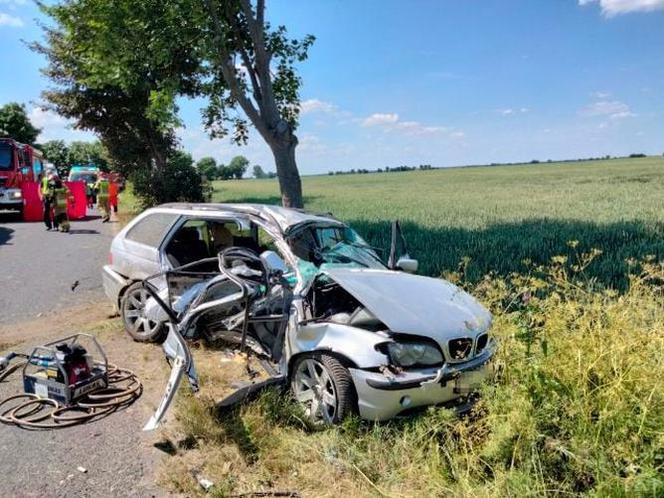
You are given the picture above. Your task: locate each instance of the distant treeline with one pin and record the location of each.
(387, 169)
(423, 167)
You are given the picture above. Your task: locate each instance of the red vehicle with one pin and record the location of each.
(20, 165)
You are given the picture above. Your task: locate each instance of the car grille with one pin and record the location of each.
(481, 343)
(460, 348)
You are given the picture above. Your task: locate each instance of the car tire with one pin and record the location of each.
(136, 324)
(324, 387)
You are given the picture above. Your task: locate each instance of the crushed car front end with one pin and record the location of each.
(384, 394)
(410, 341)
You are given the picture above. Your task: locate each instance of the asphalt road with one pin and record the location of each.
(37, 305)
(38, 267)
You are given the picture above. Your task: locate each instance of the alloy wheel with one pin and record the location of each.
(313, 387)
(139, 325)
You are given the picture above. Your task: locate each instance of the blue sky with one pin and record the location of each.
(441, 82)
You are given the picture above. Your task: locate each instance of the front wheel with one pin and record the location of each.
(324, 387)
(136, 323)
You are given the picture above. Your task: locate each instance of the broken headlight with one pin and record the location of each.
(408, 354)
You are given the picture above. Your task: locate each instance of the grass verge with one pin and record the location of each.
(577, 410)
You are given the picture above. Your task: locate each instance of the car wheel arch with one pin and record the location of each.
(348, 400)
(343, 359)
(123, 291)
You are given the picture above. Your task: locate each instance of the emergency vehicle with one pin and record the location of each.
(20, 164)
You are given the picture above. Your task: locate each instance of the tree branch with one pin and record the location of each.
(258, 96)
(256, 28)
(230, 76)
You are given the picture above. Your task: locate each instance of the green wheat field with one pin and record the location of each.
(568, 257)
(496, 216)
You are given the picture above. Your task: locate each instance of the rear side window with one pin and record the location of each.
(151, 229)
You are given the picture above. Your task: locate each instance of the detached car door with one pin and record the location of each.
(191, 295)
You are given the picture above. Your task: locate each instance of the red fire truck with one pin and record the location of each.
(20, 165)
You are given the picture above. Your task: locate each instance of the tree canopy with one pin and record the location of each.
(178, 181)
(111, 77)
(57, 153)
(15, 123)
(252, 68)
(258, 172)
(207, 167)
(238, 166)
(119, 66)
(64, 156)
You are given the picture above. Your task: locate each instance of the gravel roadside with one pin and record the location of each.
(38, 305)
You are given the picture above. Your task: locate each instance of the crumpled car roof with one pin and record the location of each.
(285, 218)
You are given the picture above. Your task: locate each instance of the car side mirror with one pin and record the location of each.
(403, 262)
(274, 263)
(408, 265)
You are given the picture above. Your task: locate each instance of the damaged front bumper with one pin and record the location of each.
(381, 397)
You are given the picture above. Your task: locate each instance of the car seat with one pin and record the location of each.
(187, 247)
(222, 238)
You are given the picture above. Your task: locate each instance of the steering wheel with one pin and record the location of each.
(233, 259)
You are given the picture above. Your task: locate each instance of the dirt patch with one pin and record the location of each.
(121, 459)
(54, 324)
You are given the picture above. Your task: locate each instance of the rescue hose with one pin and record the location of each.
(32, 412)
(10, 370)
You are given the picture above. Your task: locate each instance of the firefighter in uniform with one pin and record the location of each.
(103, 200)
(57, 196)
(62, 196)
(47, 202)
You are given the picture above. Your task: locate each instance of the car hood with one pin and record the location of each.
(413, 304)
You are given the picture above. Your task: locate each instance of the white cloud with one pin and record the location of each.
(613, 109)
(11, 21)
(615, 7)
(380, 119)
(600, 95)
(458, 135)
(511, 112)
(390, 122)
(417, 128)
(315, 105)
(55, 127)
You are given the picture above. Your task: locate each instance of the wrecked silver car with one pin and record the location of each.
(305, 292)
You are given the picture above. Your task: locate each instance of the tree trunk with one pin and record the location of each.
(289, 178)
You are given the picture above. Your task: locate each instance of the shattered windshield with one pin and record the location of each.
(333, 245)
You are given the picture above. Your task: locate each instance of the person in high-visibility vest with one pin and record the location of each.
(45, 195)
(90, 194)
(62, 196)
(58, 196)
(103, 201)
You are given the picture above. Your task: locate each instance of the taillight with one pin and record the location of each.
(110, 258)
